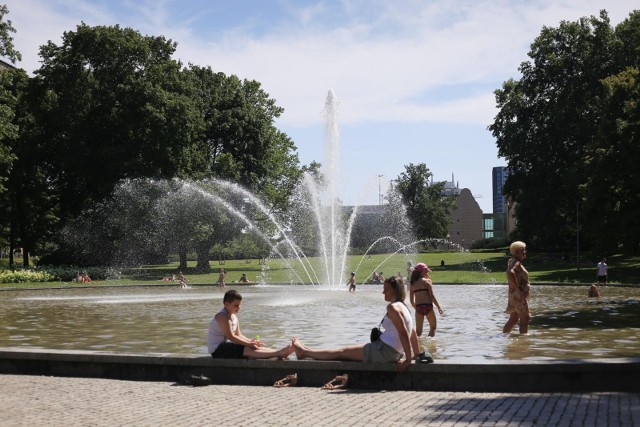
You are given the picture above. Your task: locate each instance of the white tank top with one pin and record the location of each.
(216, 336)
(390, 336)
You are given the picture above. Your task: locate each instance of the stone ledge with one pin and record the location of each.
(501, 376)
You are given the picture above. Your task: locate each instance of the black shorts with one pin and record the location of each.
(228, 350)
(602, 279)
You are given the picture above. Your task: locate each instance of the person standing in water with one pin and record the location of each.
(221, 278)
(352, 282)
(423, 299)
(519, 289)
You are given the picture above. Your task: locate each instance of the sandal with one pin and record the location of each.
(338, 382)
(424, 358)
(288, 381)
(200, 380)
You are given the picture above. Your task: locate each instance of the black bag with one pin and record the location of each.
(376, 332)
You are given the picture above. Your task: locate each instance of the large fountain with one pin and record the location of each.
(565, 324)
(320, 205)
(148, 213)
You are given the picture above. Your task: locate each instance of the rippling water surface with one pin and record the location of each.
(565, 323)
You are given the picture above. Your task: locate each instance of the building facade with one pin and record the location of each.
(499, 176)
(502, 221)
(466, 220)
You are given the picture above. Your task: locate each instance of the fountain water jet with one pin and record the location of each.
(179, 215)
(333, 232)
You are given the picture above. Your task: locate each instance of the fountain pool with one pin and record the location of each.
(565, 323)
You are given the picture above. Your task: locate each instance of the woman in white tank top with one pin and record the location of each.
(399, 336)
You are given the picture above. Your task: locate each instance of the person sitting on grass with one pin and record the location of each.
(226, 341)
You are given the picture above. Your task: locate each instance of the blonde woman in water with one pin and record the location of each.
(519, 288)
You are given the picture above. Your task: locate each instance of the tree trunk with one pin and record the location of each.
(182, 254)
(203, 256)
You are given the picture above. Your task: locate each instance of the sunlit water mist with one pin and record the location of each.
(169, 215)
(565, 323)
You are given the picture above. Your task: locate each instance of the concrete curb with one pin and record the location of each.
(505, 376)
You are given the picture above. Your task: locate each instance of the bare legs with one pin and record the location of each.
(415, 345)
(268, 353)
(354, 352)
(431, 318)
(513, 320)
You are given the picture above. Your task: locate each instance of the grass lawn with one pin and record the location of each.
(470, 267)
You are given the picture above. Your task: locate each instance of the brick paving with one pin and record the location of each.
(56, 401)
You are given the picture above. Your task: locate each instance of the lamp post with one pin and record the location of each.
(379, 190)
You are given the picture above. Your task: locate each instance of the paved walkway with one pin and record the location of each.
(50, 401)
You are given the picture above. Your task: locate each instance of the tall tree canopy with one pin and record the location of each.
(7, 49)
(110, 104)
(8, 130)
(551, 121)
(427, 206)
(240, 136)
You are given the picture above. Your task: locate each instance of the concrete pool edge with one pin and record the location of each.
(583, 375)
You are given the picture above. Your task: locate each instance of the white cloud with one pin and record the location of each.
(413, 73)
(383, 70)
(382, 58)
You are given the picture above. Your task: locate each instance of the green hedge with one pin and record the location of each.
(20, 276)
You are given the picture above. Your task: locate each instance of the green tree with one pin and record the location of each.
(111, 104)
(427, 206)
(124, 230)
(545, 122)
(28, 204)
(611, 189)
(194, 218)
(242, 141)
(7, 50)
(8, 130)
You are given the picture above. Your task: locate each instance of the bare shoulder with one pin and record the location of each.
(221, 316)
(393, 307)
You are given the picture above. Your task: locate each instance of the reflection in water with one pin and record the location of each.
(565, 323)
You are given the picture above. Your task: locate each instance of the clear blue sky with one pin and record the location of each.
(414, 78)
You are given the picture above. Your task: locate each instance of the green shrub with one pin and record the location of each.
(20, 276)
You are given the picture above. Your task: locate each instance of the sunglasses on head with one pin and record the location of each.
(392, 281)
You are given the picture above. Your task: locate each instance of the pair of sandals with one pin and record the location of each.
(291, 380)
